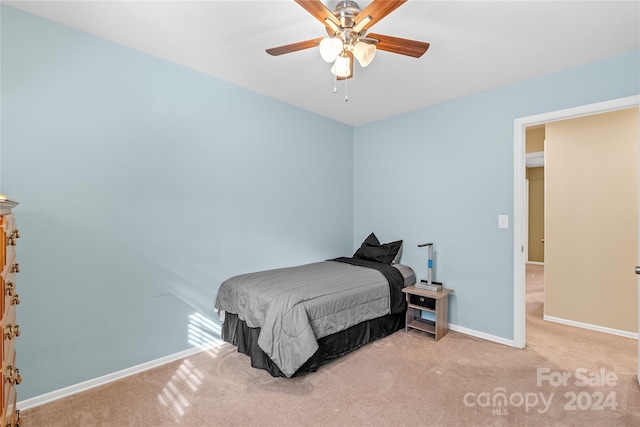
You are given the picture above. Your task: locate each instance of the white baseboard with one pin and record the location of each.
(627, 334)
(95, 382)
(482, 335)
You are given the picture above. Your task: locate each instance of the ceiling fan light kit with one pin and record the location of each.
(347, 27)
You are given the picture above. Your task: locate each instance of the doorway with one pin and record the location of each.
(520, 232)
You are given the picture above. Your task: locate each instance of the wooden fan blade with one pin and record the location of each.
(351, 59)
(294, 47)
(378, 9)
(319, 11)
(402, 46)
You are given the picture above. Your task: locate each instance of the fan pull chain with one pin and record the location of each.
(346, 87)
(346, 90)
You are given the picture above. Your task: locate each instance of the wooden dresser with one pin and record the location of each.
(10, 416)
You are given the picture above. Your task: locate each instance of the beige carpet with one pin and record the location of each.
(406, 379)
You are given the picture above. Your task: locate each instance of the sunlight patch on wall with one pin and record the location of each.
(203, 332)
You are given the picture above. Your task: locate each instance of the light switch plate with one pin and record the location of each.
(503, 221)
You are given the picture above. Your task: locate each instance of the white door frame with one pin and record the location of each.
(519, 192)
(527, 196)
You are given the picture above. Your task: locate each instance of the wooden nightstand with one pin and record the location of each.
(432, 302)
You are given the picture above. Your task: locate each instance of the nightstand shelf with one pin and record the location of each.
(419, 300)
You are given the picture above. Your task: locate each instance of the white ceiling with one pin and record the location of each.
(475, 45)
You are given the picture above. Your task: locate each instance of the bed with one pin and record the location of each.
(292, 320)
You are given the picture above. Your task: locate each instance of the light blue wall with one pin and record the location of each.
(443, 174)
(142, 186)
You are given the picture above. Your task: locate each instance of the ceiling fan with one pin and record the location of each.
(347, 27)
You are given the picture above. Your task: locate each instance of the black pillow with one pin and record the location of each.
(372, 250)
(371, 239)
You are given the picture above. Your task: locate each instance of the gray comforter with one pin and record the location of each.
(297, 305)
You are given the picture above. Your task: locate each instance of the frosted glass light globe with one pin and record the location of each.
(364, 53)
(330, 48)
(342, 66)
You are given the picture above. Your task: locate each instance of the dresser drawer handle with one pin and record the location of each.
(12, 331)
(11, 240)
(15, 268)
(14, 236)
(15, 300)
(9, 289)
(13, 375)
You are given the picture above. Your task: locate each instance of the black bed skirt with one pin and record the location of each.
(236, 332)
